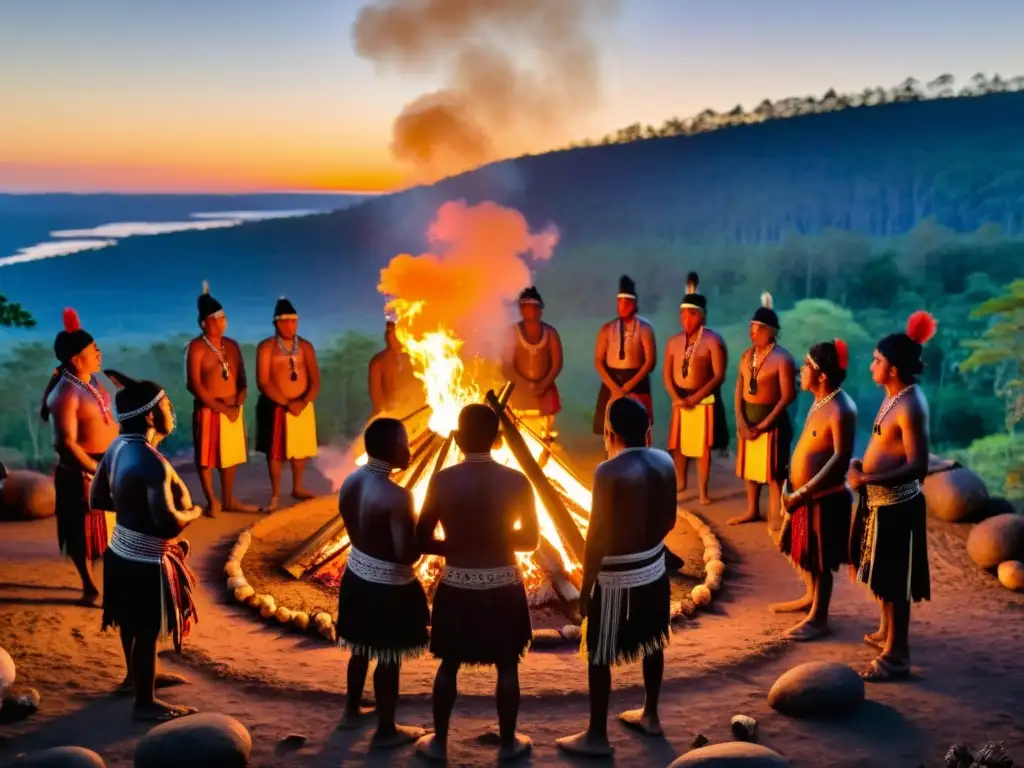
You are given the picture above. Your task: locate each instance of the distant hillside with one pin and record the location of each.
(877, 172)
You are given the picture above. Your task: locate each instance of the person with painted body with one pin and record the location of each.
(288, 379)
(382, 608)
(890, 534)
(693, 372)
(215, 377)
(765, 388)
(624, 356)
(78, 409)
(481, 616)
(392, 383)
(534, 361)
(817, 501)
(625, 596)
(147, 585)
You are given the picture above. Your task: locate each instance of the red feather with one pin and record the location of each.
(921, 327)
(842, 352)
(71, 321)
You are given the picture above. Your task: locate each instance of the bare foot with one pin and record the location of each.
(793, 606)
(211, 510)
(640, 721)
(402, 734)
(301, 494)
(585, 744)
(876, 639)
(240, 506)
(90, 597)
(163, 680)
(160, 712)
(520, 746)
(747, 518)
(351, 720)
(705, 500)
(808, 630)
(432, 749)
(270, 506)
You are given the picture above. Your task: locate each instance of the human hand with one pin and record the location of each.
(689, 403)
(753, 433)
(295, 407)
(855, 477)
(232, 413)
(617, 393)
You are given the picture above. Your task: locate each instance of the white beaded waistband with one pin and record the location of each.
(140, 547)
(636, 577)
(481, 578)
(884, 496)
(369, 568)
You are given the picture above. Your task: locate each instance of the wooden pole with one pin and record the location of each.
(551, 499)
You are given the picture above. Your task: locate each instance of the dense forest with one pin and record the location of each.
(852, 218)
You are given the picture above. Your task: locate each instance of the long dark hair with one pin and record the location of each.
(44, 409)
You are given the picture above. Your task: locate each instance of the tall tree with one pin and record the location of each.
(13, 315)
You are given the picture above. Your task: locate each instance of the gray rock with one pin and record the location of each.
(997, 540)
(61, 757)
(1011, 575)
(19, 703)
(817, 689)
(734, 754)
(955, 495)
(26, 495)
(744, 728)
(207, 740)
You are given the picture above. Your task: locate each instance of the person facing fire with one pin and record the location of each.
(534, 361)
(215, 377)
(890, 522)
(78, 409)
(481, 616)
(147, 585)
(624, 356)
(693, 372)
(382, 608)
(765, 388)
(816, 499)
(393, 385)
(624, 597)
(288, 379)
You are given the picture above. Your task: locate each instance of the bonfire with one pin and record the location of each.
(554, 571)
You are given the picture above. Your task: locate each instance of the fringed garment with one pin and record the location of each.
(80, 529)
(641, 393)
(816, 536)
(716, 428)
(148, 586)
(779, 443)
(629, 614)
(481, 617)
(382, 610)
(890, 535)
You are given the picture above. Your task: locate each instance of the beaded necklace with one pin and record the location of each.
(225, 367)
(86, 387)
(291, 353)
(822, 403)
(887, 405)
(689, 349)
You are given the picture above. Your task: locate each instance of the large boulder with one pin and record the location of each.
(25, 495)
(955, 495)
(62, 757)
(997, 540)
(1011, 575)
(206, 740)
(733, 754)
(817, 689)
(8, 672)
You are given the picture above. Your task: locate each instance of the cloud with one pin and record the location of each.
(50, 250)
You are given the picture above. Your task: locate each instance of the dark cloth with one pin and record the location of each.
(891, 550)
(817, 535)
(147, 597)
(81, 531)
(270, 429)
(386, 622)
(644, 621)
(782, 442)
(641, 393)
(480, 626)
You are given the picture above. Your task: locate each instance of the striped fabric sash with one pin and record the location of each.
(369, 568)
(882, 496)
(481, 578)
(139, 547)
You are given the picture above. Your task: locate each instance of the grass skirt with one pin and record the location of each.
(386, 622)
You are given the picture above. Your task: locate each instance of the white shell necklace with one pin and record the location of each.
(887, 406)
(225, 368)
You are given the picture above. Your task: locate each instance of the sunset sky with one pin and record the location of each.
(253, 95)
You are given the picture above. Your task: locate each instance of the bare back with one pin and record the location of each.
(829, 430)
(634, 504)
(378, 516)
(904, 436)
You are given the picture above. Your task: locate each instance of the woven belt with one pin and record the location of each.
(481, 578)
(140, 547)
(636, 577)
(371, 569)
(883, 496)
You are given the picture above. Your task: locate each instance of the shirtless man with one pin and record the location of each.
(78, 410)
(890, 524)
(215, 376)
(534, 361)
(625, 592)
(481, 615)
(624, 356)
(392, 381)
(818, 503)
(693, 372)
(765, 388)
(382, 608)
(288, 379)
(147, 585)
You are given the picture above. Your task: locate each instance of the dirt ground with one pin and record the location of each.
(968, 680)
